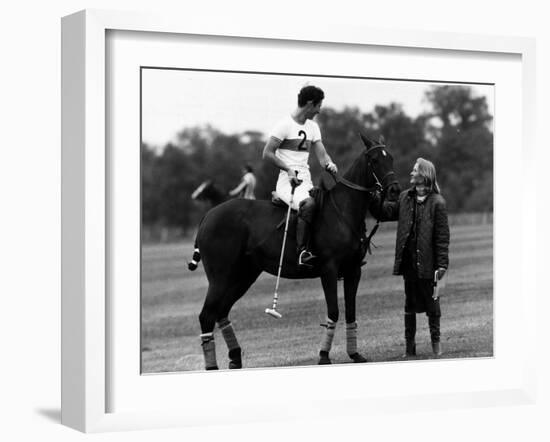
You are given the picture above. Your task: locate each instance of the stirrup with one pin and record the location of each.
(305, 258)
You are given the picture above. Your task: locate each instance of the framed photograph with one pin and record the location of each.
(167, 207)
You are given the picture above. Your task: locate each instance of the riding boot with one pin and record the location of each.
(410, 333)
(435, 334)
(305, 257)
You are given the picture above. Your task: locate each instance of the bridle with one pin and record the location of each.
(379, 185)
(380, 182)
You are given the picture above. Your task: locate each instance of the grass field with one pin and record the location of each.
(172, 297)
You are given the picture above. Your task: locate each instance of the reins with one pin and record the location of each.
(354, 186)
(378, 187)
(375, 228)
(362, 237)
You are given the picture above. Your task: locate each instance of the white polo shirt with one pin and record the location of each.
(296, 141)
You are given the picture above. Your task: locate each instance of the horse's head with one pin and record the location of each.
(201, 192)
(379, 164)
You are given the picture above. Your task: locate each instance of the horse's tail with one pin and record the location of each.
(196, 258)
(196, 253)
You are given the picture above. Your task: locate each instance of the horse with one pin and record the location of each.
(239, 239)
(207, 191)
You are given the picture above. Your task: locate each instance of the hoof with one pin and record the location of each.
(215, 367)
(234, 365)
(323, 358)
(358, 358)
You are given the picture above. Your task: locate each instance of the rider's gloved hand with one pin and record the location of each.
(294, 181)
(331, 168)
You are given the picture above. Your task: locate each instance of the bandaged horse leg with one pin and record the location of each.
(207, 319)
(209, 351)
(326, 343)
(235, 360)
(351, 283)
(351, 343)
(329, 281)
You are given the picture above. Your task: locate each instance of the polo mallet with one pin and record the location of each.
(273, 310)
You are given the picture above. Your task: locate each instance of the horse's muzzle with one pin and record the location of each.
(392, 194)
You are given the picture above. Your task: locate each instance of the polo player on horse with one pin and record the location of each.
(288, 148)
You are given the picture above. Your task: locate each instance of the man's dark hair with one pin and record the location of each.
(248, 168)
(310, 93)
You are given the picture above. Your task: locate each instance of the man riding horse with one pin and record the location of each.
(239, 239)
(288, 148)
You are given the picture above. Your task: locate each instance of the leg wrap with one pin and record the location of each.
(228, 334)
(326, 343)
(195, 261)
(351, 338)
(209, 351)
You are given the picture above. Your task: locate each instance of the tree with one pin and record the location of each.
(455, 134)
(149, 193)
(460, 126)
(403, 135)
(174, 181)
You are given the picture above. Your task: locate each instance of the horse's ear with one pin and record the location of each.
(381, 140)
(366, 141)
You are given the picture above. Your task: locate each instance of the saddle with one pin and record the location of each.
(317, 193)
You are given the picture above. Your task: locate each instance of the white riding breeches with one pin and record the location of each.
(301, 192)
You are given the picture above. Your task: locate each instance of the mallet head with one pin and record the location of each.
(274, 313)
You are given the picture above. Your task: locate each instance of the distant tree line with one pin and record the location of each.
(455, 134)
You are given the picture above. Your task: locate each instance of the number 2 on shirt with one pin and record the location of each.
(304, 135)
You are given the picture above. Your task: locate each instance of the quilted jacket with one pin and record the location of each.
(432, 230)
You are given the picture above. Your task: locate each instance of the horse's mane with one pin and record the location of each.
(357, 172)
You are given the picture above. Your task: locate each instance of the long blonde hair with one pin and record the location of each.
(426, 170)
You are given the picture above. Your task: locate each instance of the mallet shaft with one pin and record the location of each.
(273, 311)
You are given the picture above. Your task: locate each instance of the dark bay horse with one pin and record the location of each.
(207, 191)
(239, 239)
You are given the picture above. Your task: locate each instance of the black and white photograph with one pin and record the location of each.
(291, 221)
(294, 219)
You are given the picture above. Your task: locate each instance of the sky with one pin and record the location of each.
(236, 102)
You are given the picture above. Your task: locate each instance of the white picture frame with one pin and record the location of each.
(87, 206)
